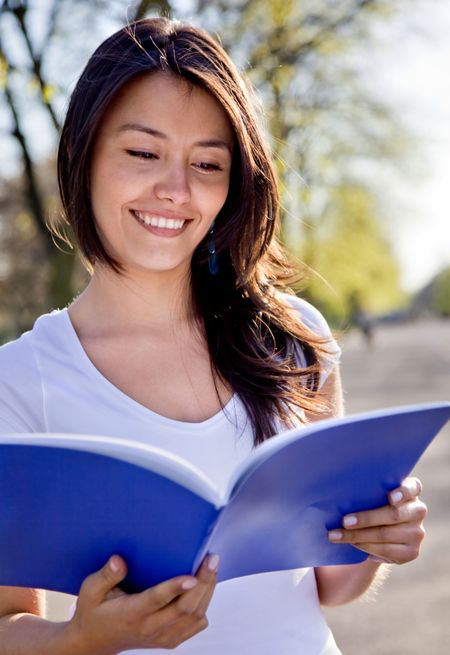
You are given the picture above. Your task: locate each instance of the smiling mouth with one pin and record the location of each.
(160, 224)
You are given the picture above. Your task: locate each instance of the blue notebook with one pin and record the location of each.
(68, 502)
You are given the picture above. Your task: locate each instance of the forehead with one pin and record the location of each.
(168, 103)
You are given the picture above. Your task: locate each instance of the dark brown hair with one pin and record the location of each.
(253, 336)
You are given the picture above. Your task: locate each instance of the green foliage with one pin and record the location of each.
(440, 299)
(351, 258)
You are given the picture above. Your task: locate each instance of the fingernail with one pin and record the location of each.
(114, 566)
(213, 562)
(349, 521)
(335, 535)
(396, 496)
(189, 584)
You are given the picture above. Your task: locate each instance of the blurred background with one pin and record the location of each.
(355, 99)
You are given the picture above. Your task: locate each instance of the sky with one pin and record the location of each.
(412, 74)
(408, 67)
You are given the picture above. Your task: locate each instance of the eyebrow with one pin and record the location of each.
(137, 127)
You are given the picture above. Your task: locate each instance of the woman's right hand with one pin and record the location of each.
(108, 620)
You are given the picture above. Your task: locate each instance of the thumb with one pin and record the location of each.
(97, 585)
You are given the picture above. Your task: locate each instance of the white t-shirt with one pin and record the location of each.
(48, 384)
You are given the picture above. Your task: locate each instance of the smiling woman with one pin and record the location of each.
(186, 337)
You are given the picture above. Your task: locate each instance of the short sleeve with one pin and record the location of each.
(316, 322)
(21, 406)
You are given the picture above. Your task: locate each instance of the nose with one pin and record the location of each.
(173, 184)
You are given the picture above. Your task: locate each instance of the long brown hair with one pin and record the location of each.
(252, 335)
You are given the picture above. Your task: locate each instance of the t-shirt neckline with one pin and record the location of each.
(91, 370)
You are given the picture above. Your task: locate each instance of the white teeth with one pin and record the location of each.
(160, 221)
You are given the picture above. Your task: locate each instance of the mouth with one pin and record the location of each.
(160, 225)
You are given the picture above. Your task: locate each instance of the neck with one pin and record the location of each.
(124, 302)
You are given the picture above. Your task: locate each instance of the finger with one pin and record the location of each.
(407, 512)
(180, 596)
(172, 636)
(193, 629)
(116, 592)
(158, 597)
(403, 533)
(192, 604)
(207, 596)
(187, 614)
(390, 553)
(409, 489)
(96, 586)
(198, 599)
(208, 568)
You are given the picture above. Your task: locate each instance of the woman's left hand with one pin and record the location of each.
(392, 533)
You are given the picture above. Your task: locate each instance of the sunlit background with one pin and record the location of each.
(356, 101)
(355, 98)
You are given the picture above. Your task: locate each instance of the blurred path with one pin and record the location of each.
(411, 616)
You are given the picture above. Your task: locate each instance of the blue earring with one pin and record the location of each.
(213, 261)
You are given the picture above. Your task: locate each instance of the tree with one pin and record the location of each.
(352, 258)
(440, 304)
(434, 297)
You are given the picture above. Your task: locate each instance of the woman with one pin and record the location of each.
(182, 338)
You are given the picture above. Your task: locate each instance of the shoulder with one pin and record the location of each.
(309, 315)
(19, 388)
(16, 358)
(314, 320)
(21, 396)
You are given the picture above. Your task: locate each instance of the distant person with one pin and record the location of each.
(361, 318)
(182, 339)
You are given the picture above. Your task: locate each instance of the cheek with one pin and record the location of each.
(107, 191)
(218, 197)
(98, 189)
(109, 182)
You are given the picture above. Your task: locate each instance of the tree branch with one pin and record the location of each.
(20, 12)
(164, 6)
(289, 53)
(31, 185)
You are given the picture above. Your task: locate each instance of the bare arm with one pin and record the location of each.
(392, 533)
(27, 634)
(23, 630)
(338, 585)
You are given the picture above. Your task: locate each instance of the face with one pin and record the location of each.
(160, 172)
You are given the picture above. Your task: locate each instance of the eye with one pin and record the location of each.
(205, 166)
(141, 154)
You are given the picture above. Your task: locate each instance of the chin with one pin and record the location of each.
(157, 268)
